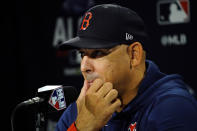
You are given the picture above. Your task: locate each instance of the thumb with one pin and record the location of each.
(83, 90)
(81, 99)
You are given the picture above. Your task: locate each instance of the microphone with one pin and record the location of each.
(49, 99)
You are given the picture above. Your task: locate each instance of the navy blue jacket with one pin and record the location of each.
(163, 103)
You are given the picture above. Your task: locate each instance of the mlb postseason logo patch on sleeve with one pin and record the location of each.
(57, 99)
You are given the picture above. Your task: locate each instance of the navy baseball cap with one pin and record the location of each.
(105, 26)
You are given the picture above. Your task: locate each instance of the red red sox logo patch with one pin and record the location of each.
(86, 21)
(132, 127)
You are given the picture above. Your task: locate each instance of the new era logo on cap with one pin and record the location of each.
(129, 36)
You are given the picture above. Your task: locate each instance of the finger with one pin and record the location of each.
(114, 106)
(105, 89)
(112, 95)
(95, 85)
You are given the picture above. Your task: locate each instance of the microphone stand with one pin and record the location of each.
(40, 121)
(28, 105)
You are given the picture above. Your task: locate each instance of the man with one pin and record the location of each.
(122, 90)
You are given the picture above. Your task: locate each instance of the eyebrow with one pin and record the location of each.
(102, 49)
(93, 49)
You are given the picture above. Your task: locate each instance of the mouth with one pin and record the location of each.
(90, 79)
(90, 82)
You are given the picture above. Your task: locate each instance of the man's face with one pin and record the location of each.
(110, 65)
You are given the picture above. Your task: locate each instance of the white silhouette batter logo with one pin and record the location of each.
(173, 12)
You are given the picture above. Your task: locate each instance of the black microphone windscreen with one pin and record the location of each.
(71, 94)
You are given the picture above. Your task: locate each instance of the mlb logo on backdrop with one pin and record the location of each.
(173, 12)
(57, 99)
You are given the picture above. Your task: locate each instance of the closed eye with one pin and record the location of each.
(82, 53)
(98, 54)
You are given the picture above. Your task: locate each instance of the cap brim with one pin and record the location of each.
(78, 43)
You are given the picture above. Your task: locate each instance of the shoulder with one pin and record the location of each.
(172, 86)
(174, 109)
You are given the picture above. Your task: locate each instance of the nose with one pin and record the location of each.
(86, 65)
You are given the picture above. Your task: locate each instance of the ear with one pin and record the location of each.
(135, 52)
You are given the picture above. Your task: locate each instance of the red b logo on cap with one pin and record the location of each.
(86, 21)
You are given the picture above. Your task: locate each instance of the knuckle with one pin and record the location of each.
(108, 112)
(87, 96)
(108, 85)
(98, 95)
(96, 84)
(114, 92)
(98, 81)
(118, 102)
(88, 92)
